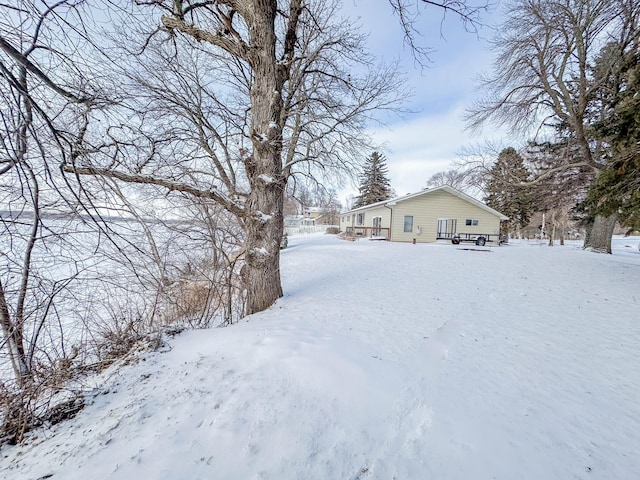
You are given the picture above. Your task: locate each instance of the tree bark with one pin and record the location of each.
(13, 341)
(264, 220)
(599, 233)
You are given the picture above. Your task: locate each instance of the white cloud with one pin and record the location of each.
(429, 140)
(420, 147)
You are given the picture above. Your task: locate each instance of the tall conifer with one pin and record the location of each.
(505, 191)
(374, 181)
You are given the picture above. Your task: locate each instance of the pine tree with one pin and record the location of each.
(506, 192)
(556, 191)
(617, 188)
(374, 183)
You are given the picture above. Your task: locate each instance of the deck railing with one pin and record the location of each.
(368, 232)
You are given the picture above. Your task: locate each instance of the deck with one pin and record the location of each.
(377, 233)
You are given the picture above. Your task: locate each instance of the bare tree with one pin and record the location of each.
(37, 98)
(454, 178)
(542, 78)
(252, 95)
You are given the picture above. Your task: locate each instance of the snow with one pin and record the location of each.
(267, 179)
(382, 361)
(264, 218)
(260, 252)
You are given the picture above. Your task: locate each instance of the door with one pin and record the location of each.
(447, 227)
(377, 223)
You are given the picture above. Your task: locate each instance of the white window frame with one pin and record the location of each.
(406, 217)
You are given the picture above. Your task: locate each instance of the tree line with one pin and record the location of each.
(565, 77)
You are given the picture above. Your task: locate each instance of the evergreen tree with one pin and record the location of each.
(617, 189)
(556, 190)
(374, 183)
(506, 191)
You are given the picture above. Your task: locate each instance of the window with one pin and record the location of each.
(471, 222)
(360, 220)
(408, 223)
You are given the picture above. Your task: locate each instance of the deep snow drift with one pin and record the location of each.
(382, 361)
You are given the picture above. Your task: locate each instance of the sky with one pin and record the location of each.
(382, 360)
(430, 138)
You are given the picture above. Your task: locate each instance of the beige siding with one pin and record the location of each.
(428, 208)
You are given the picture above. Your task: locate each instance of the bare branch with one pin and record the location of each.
(33, 69)
(170, 185)
(409, 12)
(235, 47)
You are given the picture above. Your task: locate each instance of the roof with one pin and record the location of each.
(313, 209)
(447, 188)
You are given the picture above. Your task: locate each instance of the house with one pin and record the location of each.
(312, 216)
(307, 219)
(429, 215)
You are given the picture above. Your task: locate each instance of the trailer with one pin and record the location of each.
(478, 238)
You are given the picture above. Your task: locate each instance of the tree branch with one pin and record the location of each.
(219, 39)
(212, 194)
(34, 70)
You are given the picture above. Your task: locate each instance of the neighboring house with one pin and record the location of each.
(312, 216)
(307, 219)
(331, 217)
(293, 221)
(437, 213)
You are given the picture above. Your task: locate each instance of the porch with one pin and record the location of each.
(377, 233)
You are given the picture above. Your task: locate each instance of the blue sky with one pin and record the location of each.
(429, 140)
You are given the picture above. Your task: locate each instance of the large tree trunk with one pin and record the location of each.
(599, 233)
(264, 221)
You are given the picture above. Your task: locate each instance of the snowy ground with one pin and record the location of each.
(383, 361)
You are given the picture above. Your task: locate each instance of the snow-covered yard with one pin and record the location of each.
(383, 361)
